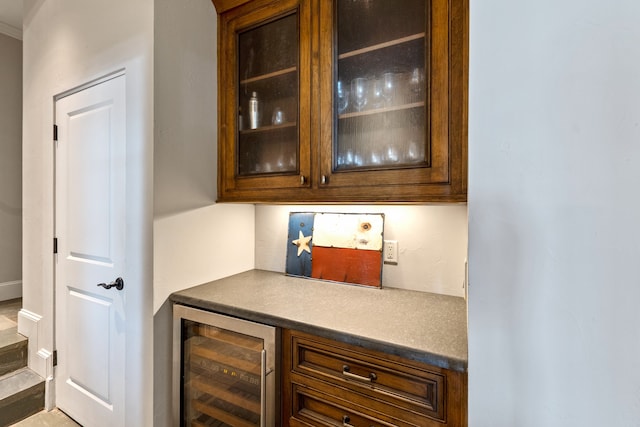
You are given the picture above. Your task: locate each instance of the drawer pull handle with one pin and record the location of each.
(346, 421)
(346, 372)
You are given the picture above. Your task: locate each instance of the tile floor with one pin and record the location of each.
(55, 418)
(9, 320)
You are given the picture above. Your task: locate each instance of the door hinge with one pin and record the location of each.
(55, 357)
(55, 245)
(55, 132)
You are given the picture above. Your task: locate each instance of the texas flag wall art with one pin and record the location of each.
(337, 247)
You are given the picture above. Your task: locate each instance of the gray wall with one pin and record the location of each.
(554, 230)
(10, 166)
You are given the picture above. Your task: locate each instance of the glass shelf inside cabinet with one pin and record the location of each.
(381, 85)
(267, 133)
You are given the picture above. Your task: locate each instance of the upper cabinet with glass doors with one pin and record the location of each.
(343, 100)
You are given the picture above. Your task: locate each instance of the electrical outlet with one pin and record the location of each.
(390, 252)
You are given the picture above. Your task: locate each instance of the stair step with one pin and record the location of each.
(13, 351)
(21, 395)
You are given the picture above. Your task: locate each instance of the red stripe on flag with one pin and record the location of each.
(347, 265)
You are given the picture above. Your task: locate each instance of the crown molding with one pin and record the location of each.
(10, 31)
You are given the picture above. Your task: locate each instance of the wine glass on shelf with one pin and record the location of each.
(388, 87)
(377, 99)
(359, 92)
(342, 96)
(416, 83)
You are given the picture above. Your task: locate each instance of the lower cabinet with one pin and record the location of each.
(330, 383)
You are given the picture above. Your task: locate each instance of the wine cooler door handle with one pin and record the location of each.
(263, 389)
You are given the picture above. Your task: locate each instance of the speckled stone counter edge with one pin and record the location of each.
(425, 327)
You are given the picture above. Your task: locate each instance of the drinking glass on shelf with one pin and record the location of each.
(375, 159)
(348, 158)
(415, 153)
(278, 116)
(345, 152)
(357, 159)
(392, 155)
(359, 92)
(342, 96)
(388, 87)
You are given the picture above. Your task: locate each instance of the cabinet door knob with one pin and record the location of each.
(346, 421)
(302, 179)
(323, 179)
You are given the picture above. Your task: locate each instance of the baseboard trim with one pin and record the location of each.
(45, 361)
(40, 359)
(28, 324)
(10, 290)
(49, 394)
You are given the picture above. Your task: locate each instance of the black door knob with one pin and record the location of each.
(118, 284)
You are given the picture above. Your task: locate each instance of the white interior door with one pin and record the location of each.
(90, 231)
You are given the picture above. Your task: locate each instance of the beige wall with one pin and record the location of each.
(10, 167)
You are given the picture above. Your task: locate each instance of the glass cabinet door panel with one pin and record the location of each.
(380, 94)
(267, 136)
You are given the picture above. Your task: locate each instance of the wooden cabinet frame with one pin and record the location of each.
(245, 17)
(445, 180)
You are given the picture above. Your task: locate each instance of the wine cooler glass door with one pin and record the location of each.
(224, 372)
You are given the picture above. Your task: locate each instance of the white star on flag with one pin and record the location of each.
(302, 243)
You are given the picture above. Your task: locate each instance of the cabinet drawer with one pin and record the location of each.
(402, 384)
(313, 407)
(311, 396)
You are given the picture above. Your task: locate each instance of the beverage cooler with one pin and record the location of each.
(224, 370)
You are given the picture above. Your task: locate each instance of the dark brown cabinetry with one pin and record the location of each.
(357, 101)
(328, 383)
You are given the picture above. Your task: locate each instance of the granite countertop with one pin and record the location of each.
(426, 327)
